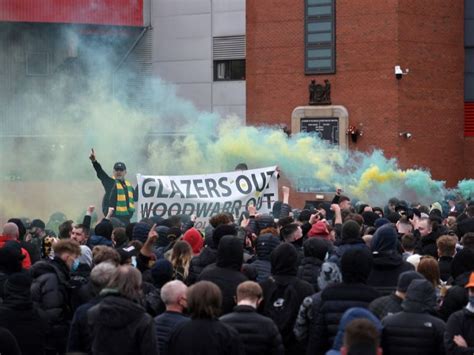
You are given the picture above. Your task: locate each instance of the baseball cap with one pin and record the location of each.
(471, 281)
(119, 166)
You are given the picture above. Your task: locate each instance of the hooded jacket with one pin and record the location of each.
(315, 250)
(225, 273)
(198, 263)
(414, 330)
(388, 264)
(350, 315)
(120, 326)
(21, 317)
(460, 323)
(265, 244)
(284, 261)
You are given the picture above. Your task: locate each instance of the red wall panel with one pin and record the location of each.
(469, 119)
(100, 12)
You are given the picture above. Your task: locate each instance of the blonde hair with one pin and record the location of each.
(181, 255)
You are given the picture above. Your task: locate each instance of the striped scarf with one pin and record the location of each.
(121, 208)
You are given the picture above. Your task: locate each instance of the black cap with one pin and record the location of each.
(38, 223)
(405, 279)
(119, 166)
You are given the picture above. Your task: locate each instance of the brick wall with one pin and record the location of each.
(372, 36)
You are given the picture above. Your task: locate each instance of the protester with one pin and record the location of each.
(446, 246)
(118, 323)
(11, 232)
(173, 295)
(181, 255)
(283, 293)
(50, 290)
(459, 336)
(226, 273)
(204, 334)
(356, 265)
(414, 330)
(315, 252)
(258, 334)
(264, 246)
(391, 304)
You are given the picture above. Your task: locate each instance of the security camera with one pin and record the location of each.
(406, 135)
(399, 72)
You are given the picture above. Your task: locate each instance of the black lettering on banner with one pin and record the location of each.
(255, 182)
(160, 209)
(151, 189)
(236, 207)
(216, 209)
(269, 174)
(257, 203)
(224, 187)
(145, 209)
(269, 200)
(211, 185)
(226, 207)
(247, 185)
(199, 188)
(202, 209)
(188, 189)
(160, 193)
(175, 189)
(188, 208)
(171, 208)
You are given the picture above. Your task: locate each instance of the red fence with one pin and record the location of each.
(100, 12)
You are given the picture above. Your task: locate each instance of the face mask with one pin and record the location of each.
(471, 301)
(75, 265)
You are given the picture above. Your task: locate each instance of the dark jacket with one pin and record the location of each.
(460, 323)
(24, 320)
(264, 246)
(8, 344)
(387, 264)
(284, 260)
(107, 182)
(198, 263)
(309, 271)
(165, 324)
(226, 272)
(79, 339)
(335, 300)
(205, 337)
(414, 330)
(120, 326)
(456, 297)
(259, 334)
(444, 263)
(51, 291)
(427, 244)
(386, 305)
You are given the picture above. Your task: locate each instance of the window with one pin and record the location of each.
(320, 37)
(37, 64)
(229, 69)
(229, 58)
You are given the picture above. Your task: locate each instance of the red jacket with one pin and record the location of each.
(26, 263)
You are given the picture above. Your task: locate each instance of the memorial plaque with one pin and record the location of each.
(326, 127)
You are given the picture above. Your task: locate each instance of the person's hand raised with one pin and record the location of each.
(92, 156)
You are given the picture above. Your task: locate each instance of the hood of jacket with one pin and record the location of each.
(316, 248)
(230, 253)
(265, 244)
(385, 239)
(99, 240)
(117, 312)
(284, 260)
(420, 297)
(462, 263)
(56, 266)
(350, 315)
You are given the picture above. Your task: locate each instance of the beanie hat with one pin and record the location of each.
(356, 265)
(140, 232)
(38, 223)
(161, 272)
(194, 238)
(350, 231)
(220, 231)
(319, 229)
(174, 233)
(104, 229)
(405, 278)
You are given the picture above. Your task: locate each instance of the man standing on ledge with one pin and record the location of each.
(119, 192)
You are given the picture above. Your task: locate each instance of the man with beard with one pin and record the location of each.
(119, 193)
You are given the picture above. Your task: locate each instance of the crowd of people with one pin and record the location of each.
(342, 278)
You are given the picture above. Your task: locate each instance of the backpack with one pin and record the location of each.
(282, 306)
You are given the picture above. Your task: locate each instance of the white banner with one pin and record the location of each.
(207, 195)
